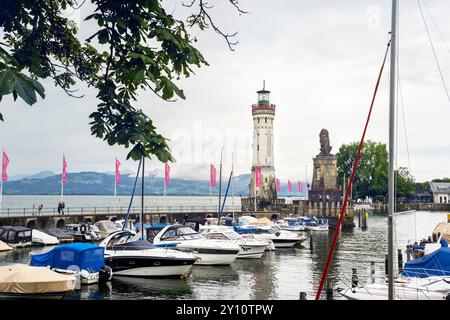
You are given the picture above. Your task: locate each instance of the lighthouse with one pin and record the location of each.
(263, 114)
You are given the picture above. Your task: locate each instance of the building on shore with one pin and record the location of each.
(440, 191)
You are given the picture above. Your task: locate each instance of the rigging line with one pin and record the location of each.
(436, 26)
(434, 51)
(404, 121)
(355, 165)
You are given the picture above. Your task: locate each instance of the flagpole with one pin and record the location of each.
(1, 182)
(115, 195)
(255, 189)
(232, 183)
(62, 183)
(1, 192)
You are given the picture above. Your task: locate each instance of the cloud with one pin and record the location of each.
(320, 59)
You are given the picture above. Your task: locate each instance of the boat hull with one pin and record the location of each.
(284, 243)
(251, 252)
(148, 266)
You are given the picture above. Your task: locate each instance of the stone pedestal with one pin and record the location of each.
(324, 185)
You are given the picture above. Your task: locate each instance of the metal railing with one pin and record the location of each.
(88, 211)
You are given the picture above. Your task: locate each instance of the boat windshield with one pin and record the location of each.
(187, 233)
(182, 233)
(216, 236)
(233, 235)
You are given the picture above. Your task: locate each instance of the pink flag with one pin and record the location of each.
(117, 172)
(64, 173)
(289, 186)
(166, 174)
(258, 176)
(213, 176)
(5, 164)
(278, 185)
(300, 187)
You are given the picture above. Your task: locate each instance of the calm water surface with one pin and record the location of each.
(278, 275)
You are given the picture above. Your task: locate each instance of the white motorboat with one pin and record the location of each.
(312, 223)
(129, 256)
(105, 228)
(291, 224)
(81, 232)
(129, 226)
(208, 251)
(280, 238)
(405, 288)
(251, 248)
(42, 238)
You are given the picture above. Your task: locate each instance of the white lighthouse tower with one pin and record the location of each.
(263, 116)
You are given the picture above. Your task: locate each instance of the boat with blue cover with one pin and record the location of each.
(82, 259)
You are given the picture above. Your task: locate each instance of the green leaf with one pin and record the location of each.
(6, 83)
(25, 91)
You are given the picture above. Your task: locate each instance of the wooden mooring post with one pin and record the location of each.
(400, 260)
(354, 278)
(364, 220)
(372, 272)
(329, 291)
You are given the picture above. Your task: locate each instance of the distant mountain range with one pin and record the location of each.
(97, 183)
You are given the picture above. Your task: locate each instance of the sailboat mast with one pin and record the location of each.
(392, 133)
(142, 199)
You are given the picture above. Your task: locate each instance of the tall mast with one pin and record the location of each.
(142, 199)
(392, 133)
(220, 180)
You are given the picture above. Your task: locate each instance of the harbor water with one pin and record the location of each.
(280, 274)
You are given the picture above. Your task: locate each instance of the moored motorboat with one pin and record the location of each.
(60, 234)
(312, 223)
(16, 236)
(105, 228)
(208, 251)
(41, 238)
(4, 247)
(83, 259)
(291, 224)
(129, 256)
(22, 281)
(81, 232)
(251, 248)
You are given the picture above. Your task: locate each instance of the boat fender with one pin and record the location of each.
(105, 274)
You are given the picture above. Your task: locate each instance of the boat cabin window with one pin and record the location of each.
(188, 233)
(11, 236)
(216, 236)
(24, 234)
(233, 235)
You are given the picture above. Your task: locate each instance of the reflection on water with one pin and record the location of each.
(280, 274)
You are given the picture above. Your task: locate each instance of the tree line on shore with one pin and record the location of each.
(371, 179)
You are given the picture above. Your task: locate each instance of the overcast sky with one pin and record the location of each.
(320, 60)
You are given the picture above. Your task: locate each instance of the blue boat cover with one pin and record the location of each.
(436, 263)
(242, 230)
(85, 256)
